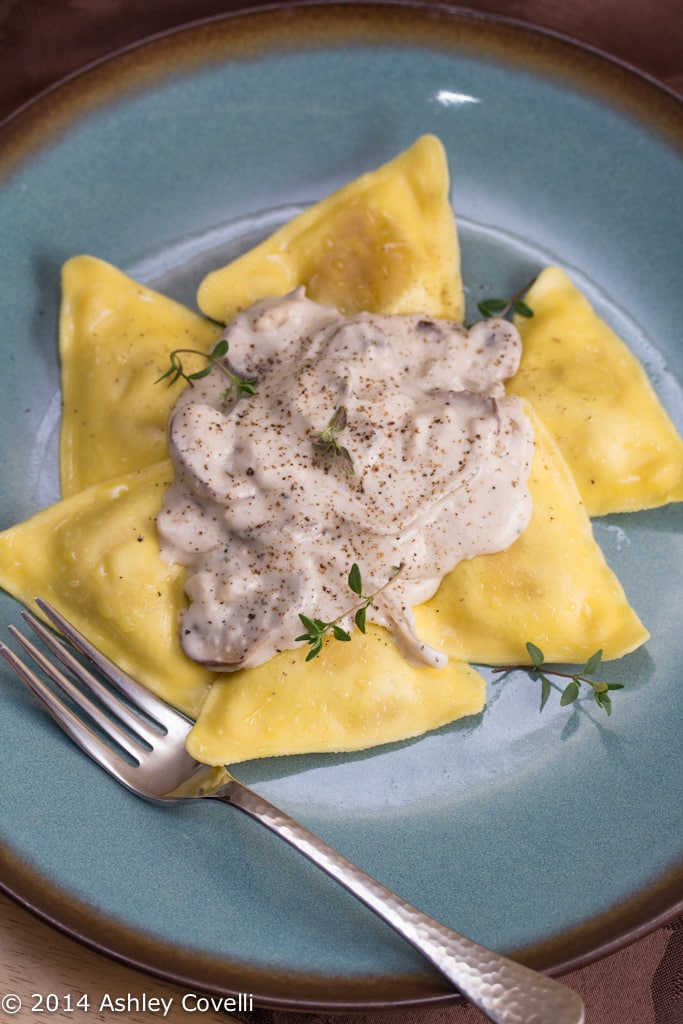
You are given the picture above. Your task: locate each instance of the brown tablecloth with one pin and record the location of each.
(40, 42)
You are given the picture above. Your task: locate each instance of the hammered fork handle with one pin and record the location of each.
(506, 992)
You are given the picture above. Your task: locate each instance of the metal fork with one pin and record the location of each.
(154, 736)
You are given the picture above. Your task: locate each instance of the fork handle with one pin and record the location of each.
(506, 992)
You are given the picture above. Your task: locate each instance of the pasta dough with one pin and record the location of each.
(95, 557)
(115, 339)
(552, 586)
(386, 242)
(596, 400)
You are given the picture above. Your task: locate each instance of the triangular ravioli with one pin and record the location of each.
(385, 242)
(552, 587)
(353, 696)
(393, 229)
(596, 400)
(115, 340)
(95, 557)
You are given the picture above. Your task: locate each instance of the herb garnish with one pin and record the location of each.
(237, 386)
(571, 691)
(501, 307)
(601, 690)
(318, 629)
(325, 440)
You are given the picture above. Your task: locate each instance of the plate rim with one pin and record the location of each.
(134, 948)
(58, 908)
(17, 120)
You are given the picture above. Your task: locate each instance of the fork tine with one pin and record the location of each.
(94, 685)
(171, 720)
(81, 734)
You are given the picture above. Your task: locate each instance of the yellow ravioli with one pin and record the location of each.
(115, 340)
(596, 400)
(95, 557)
(352, 696)
(552, 587)
(385, 242)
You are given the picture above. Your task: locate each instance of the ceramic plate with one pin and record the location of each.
(554, 836)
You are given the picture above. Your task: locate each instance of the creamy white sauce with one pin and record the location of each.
(268, 527)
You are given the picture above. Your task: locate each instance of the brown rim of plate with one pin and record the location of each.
(252, 33)
(604, 934)
(242, 34)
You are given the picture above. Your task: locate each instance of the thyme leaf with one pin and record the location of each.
(237, 386)
(600, 689)
(325, 441)
(318, 629)
(490, 308)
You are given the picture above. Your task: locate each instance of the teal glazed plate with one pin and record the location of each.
(554, 837)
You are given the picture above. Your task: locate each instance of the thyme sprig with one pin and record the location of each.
(318, 629)
(237, 386)
(326, 443)
(502, 307)
(538, 670)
